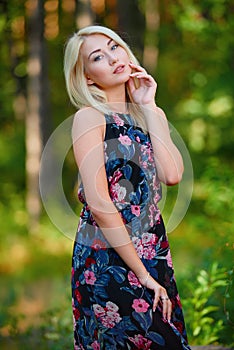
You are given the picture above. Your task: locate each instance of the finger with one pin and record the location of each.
(135, 66)
(140, 75)
(167, 307)
(169, 310)
(156, 301)
(164, 304)
(131, 85)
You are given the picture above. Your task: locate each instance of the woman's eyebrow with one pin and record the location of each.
(109, 41)
(93, 52)
(98, 50)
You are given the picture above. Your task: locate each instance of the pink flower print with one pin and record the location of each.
(138, 139)
(78, 296)
(107, 322)
(154, 214)
(89, 261)
(125, 140)
(114, 316)
(138, 246)
(105, 153)
(144, 164)
(78, 347)
(111, 306)
(95, 345)
(133, 280)
(135, 209)
(148, 238)
(136, 241)
(178, 301)
(77, 283)
(140, 305)
(157, 216)
(156, 198)
(118, 192)
(118, 120)
(150, 153)
(139, 251)
(122, 193)
(147, 150)
(116, 176)
(108, 315)
(149, 252)
(89, 277)
(152, 210)
(98, 310)
(76, 314)
(169, 259)
(164, 244)
(98, 244)
(140, 342)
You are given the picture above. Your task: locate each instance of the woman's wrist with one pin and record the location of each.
(144, 278)
(150, 106)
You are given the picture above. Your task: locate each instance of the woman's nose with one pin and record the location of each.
(113, 59)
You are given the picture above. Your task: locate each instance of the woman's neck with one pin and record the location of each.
(118, 107)
(117, 99)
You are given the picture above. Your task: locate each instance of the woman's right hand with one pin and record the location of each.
(160, 295)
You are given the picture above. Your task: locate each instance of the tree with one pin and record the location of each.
(37, 129)
(150, 55)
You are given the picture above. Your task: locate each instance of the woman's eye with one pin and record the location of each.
(98, 58)
(114, 47)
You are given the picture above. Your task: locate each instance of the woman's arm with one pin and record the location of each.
(169, 162)
(168, 159)
(88, 133)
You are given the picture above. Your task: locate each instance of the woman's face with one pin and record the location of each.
(106, 63)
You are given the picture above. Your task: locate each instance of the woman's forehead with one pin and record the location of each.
(92, 39)
(94, 42)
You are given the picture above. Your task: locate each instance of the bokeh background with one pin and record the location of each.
(188, 46)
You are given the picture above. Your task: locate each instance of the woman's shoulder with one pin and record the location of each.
(89, 115)
(86, 119)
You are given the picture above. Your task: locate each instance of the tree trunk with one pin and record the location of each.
(150, 56)
(131, 25)
(36, 107)
(84, 14)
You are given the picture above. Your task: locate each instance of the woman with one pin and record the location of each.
(123, 287)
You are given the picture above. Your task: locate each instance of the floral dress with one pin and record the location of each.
(111, 310)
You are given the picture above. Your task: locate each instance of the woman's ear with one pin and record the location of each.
(89, 81)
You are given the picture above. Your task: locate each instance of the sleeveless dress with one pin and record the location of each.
(111, 310)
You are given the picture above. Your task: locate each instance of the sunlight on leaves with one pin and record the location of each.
(220, 106)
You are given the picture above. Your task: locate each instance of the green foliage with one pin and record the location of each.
(54, 331)
(202, 312)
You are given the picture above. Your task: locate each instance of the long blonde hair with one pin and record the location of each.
(80, 93)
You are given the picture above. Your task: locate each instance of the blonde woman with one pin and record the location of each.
(124, 291)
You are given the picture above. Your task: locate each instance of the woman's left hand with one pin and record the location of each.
(145, 93)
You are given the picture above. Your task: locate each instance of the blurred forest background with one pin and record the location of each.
(188, 46)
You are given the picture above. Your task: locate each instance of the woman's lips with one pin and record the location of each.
(119, 69)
